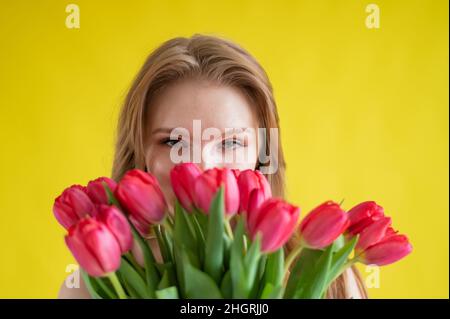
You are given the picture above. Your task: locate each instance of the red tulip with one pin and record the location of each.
(207, 185)
(96, 190)
(389, 250)
(72, 205)
(94, 247)
(140, 194)
(323, 225)
(373, 233)
(275, 220)
(182, 178)
(363, 215)
(256, 199)
(248, 181)
(117, 223)
(380, 244)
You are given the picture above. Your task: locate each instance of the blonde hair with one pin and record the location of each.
(213, 59)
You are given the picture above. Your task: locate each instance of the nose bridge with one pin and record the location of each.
(209, 158)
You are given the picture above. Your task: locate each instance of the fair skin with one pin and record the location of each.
(217, 106)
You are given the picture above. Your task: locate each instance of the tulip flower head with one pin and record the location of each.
(72, 205)
(323, 225)
(94, 247)
(248, 181)
(275, 220)
(141, 196)
(117, 223)
(96, 190)
(182, 178)
(207, 185)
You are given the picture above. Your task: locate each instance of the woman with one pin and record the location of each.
(214, 82)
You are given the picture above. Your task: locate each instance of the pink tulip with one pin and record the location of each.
(373, 233)
(207, 185)
(96, 190)
(94, 247)
(379, 244)
(141, 196)
(323, 225)
(363, 215)
(72, 205)
(389, 250)
(275, 220)
(117, 223)
(248, 181)
(182, 178)
(256, 199)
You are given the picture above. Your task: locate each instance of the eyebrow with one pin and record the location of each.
(162, 130)
(169, 130)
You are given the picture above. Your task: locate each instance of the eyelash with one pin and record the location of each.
(168, 141)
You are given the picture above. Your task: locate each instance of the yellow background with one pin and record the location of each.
(364, 115)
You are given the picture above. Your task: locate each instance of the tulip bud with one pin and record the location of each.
(248, 181)
(96, 190)
(94, 247)
(363, 215)
(275, 220)
(323, 225)
(373, 233)
(182, 178)
(389, 250)
(117, 223)
(141, 196)
(72, 205)
(207, 185)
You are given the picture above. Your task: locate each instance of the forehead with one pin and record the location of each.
(215, 105)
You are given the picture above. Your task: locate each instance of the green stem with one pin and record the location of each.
(117, 286)
(228, 228)
(167, 225)
(291, 257)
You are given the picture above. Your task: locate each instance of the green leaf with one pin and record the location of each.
(165, 281)
(179, 267)
(251, 263)
(236, 263)
(201, 241)
(302, 270)
(316, 284)
(214, 239)
(259, 283)
(226, 286)
(167, 293)
(272, 292)
(199, 285)
(339, 259)
(105, 287)
(338, 243)
(90, 285)
(226, 249)
(132, 277)
(275, 268)
(184, 233)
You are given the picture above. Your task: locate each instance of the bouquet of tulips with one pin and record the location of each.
(226, 237)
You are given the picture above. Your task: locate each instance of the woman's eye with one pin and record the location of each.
(171, 142)
(231, 144)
